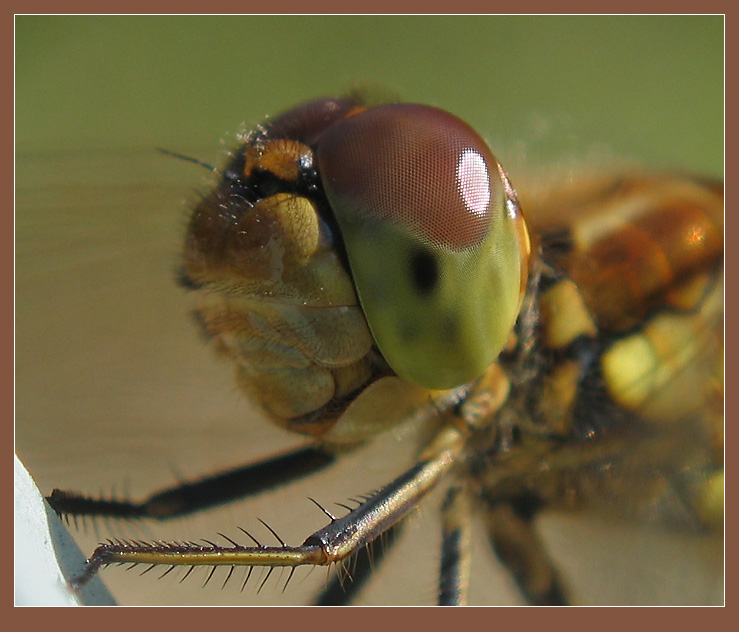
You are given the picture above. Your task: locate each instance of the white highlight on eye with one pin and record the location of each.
(473, 180)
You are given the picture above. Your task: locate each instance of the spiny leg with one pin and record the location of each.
(341, 590)
(336, 542)
(189, 497)
(454, 575)
(522, 552)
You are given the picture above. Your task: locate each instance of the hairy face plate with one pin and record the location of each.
(354, 260)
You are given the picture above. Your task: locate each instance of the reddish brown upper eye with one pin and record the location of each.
(412, 165)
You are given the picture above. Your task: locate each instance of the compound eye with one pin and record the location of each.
(434, 237)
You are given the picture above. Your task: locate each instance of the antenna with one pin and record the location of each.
(230, 176)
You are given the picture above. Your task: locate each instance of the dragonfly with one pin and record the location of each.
(368, 266)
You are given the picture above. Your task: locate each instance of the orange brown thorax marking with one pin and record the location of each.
(648, 235)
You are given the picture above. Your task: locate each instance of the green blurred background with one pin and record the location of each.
(113, 386)
(649, 87)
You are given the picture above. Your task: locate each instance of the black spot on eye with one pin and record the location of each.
(424, 271)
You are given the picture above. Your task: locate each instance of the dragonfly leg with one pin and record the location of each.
(340, 539)
(454, 573)
(343, 587)
(189, 497)
(522, 552)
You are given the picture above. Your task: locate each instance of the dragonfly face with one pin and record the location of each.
(366, 267)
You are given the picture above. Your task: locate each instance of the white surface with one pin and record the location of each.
(43, 548)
